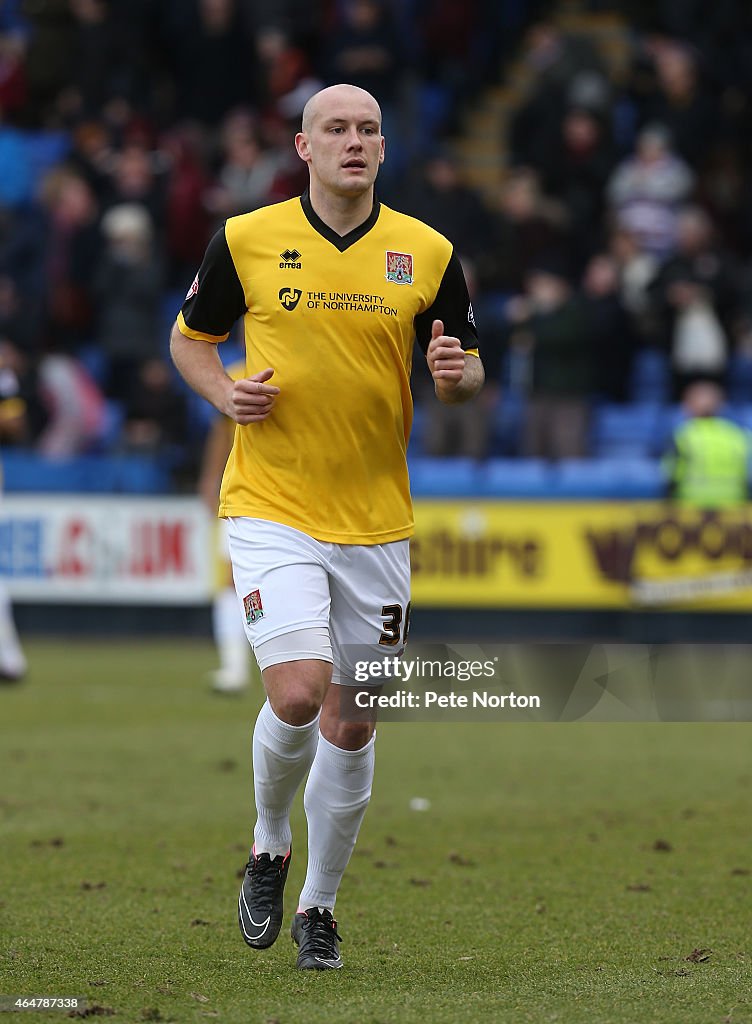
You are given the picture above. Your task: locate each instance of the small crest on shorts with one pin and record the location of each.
(399, 267)
(193, 290)
(252, 607)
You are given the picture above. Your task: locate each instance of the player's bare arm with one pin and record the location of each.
(249, 400)
(458, 375)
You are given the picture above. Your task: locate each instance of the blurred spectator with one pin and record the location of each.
(213, 56)
(291, 178)
(247, 173)
(156, 417)
(707, 465)
(281, 68)
(696, 300)
(550, 329)
(92, 154)
(688, 112)
(72, 252)
(136, 176)
(609, 327)
(554, 60)
(96, 60)
(188, 223)
(22, 368)
(74, 407)
(448, 33)
(577, 177)
(646, 190)
(721, 191)
(51, 42)
(13, 41)
(528, 228)
(441, 199)
(128, 286)
(364, 50)
(22, 275)
(636, 269)
(12, 425)
(64, 410)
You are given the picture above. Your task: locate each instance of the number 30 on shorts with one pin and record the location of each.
(393, 630)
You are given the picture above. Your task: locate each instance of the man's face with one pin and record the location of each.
(343, 145)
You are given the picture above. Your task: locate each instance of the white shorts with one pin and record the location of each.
(332, 602)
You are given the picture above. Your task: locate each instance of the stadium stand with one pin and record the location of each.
(515, 129)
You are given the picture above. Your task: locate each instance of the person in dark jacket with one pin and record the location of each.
(550, 330)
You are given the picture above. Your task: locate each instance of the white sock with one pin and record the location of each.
(336, 797)
(229, 635)
(282, 754)
(12, 660)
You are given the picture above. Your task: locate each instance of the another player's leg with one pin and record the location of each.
(228, 627)
(12, 660)
(232, 644)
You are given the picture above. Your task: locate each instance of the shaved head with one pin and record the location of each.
(327, 101)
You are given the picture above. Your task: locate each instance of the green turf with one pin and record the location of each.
(530, 891)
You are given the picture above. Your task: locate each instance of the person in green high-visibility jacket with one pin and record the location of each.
(709, 460)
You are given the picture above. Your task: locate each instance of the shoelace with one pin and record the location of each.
(266, 875)
(321, 930)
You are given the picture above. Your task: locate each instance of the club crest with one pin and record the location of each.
(252, 607)
(399, 267)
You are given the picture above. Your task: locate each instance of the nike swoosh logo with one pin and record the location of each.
(330, 963)
(263, 925)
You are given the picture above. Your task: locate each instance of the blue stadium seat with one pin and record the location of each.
(742, 414)
(740, 379)
(92, 474)
(651, 377)
(625, 430)
(507, 420)
(626, 478)
(668, 420)
(516, 478)
(417, 434)
(140, 475)
(447, 478)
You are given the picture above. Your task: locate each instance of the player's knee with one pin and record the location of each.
(346, 735)
(296, 689)
(297, 704)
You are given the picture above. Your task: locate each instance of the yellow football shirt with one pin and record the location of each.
(336, 318)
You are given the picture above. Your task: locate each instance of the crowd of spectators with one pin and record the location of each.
(622, 234)
(130, 129)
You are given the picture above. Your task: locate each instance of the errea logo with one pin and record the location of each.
(290, 260)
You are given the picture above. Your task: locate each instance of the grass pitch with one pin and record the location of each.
(564, 873)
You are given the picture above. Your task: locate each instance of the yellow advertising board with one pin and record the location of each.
(631, 555)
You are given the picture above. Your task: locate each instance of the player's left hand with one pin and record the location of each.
(446, 358)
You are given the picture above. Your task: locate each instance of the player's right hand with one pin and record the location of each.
(252, 399)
